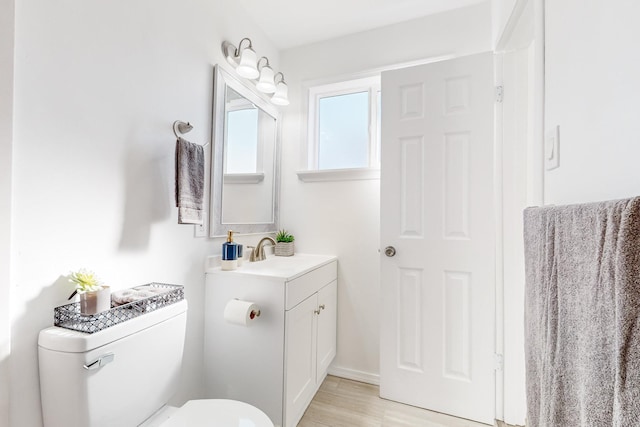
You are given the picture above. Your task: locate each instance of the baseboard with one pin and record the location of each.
(503, 424)
(355, 375)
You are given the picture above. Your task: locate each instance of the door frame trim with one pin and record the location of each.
(525, 12)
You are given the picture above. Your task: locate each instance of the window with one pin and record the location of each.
(249, 140)
(344, 126)
(242, 141)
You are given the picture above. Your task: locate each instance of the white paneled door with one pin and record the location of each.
(437, 333)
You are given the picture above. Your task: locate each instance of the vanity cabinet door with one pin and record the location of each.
(327, 305)
(300, 358)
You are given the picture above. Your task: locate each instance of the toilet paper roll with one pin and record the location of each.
(241, 312)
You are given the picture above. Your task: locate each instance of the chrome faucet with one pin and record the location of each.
(257, 252)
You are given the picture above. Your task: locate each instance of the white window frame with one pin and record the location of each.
(369, 84)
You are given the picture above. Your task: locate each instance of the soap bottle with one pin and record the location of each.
(240, 254)
(229, 253)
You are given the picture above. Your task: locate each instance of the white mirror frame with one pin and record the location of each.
(217, 228)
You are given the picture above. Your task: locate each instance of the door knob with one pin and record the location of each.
(389, 251)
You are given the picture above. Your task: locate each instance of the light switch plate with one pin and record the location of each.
(552, 148)
(201, 230)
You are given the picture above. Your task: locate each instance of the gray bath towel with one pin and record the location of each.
(189, 181)
(582, 314)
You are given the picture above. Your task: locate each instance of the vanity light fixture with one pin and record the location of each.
(281, 97)
(243, 59)
(266, 83)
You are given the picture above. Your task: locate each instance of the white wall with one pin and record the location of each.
(500, 12)
(342, 218)
(97, 87)
(592, 89)
(6, 131)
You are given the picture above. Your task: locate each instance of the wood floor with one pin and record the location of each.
(346, 403)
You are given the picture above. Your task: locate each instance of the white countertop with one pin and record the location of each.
(284, 267)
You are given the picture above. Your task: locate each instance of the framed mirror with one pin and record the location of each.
(245, 159)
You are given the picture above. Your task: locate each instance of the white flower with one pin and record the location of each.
(85, 280)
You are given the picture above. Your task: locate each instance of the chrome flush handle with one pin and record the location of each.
(100, 361)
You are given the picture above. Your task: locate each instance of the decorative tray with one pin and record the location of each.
(68, 316)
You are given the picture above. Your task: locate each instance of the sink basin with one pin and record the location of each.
(283, 267)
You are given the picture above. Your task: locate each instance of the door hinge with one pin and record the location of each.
(498, 362)
(499, 93)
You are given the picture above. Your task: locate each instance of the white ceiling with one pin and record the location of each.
(291, 23)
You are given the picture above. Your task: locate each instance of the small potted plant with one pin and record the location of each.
(284, 243)
(94, 296)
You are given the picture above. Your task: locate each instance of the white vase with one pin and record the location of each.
(93, 302)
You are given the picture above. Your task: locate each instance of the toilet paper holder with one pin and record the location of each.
(241, 312)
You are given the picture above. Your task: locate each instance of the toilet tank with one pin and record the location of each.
(136, 369)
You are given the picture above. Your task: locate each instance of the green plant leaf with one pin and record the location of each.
(284, 236)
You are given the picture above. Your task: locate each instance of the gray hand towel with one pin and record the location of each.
(582, 314)
(189, 181)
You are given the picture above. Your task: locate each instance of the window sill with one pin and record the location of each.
(338, 175)
(243, 178)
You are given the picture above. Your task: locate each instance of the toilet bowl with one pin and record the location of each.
(214, 413)
(125, 375)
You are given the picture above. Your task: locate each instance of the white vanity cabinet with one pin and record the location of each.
(279, 360)
(310, 346)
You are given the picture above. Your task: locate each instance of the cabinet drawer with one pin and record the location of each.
(302, 287)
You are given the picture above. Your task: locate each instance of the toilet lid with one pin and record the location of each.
(218, 413)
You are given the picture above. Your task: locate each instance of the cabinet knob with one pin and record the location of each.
(389, 251)
(316, 311)
(322, 307)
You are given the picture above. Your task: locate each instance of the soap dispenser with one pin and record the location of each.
(240, 255)
(229, 253)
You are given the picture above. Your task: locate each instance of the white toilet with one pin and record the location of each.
(123, 376)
